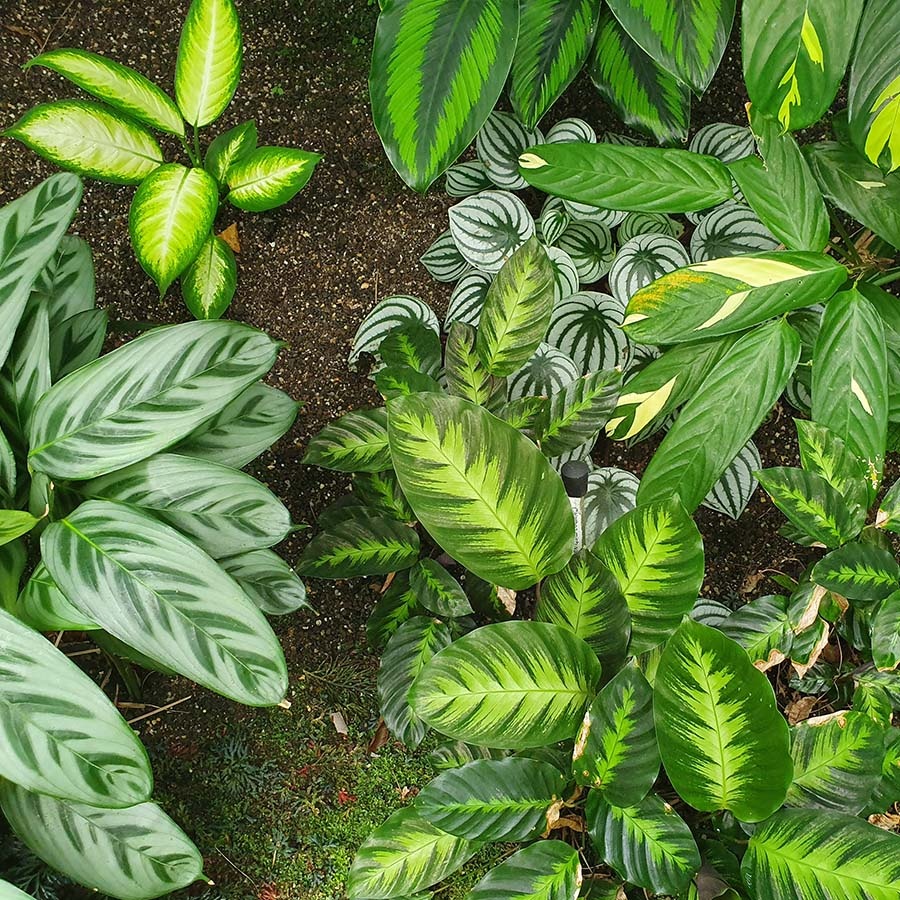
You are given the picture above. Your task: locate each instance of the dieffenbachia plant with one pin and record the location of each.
(124, 514)
(174, 208)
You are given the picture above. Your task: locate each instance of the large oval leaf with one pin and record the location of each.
(268, 177)
(134, 854)
(483, 491)
(154, 590)
(512, 685)
(150, 394)
(716, 719)
(437, 71)
(547, 870)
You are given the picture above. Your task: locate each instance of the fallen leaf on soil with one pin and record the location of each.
(508, 599)
(887, 821)
(379, 739)
(230, 236)
(751, 582)
(344, 797)
(406, 792)
(340, 724)
(798, 710)
(269, 892)
(387, 582)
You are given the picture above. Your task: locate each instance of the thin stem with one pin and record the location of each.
(848, 241)
(196, 146)
(888, 277)
(189, 152)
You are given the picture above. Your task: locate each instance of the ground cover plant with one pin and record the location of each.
(124, 508)
(174, 208)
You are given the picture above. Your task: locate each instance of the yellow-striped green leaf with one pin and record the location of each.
(209, 282)
(437, 590)
(643, 94)
(466, 374)
(823, 453)
(170, 219)
(381, 492)
(120, 86)
(87, 138)
(802, 854)
(414, 345)
(438, 68)
(886, 633)
(719, 419)
(228, 148)
(763, 628)
(269, 176)
(210, 54)
(858, 571)
(577, 413)
(267, 580)
(547, 870)
(656, 553)
(634, 179)
(795, 55)
(394, 381)
(512, 685)
(357, 442)
(481, 489)
(151, 392)
(722, 738)
(126, 571)
(394, 607)
(133, 854)
(722, 296)
(554, 39)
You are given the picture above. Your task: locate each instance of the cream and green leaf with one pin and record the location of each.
(209, 282)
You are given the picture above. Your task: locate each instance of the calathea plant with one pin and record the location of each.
(124, 512)
(174, 208)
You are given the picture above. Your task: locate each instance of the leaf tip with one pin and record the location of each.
(532, 161)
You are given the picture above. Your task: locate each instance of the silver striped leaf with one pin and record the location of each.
(467, 178)
(553, 220)
(621, 140)
(581, 453)
(732, 492)
(565, 274)
(548, 371)
(584, 212)
(731, 229)
(591, 247)
(390, 313)
(611, 493)
(695, 218)
(572, 130)
(442, 260)
(709, 612)
(641, 356)
(499, 145)
(727, 143)
(648, 223)
(467, 298)
(67, 281)
(268, 581)
(641, 261)
(489, 227)
(587, 328)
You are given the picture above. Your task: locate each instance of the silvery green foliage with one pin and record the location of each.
(545, 373)
(565, 273)
(568, 130)
(390, 313)
(611, 493)
(443, 260)
(587, 328)
(642, 260)
(467, 298)
(466, 178)
(591, 247)
(733, 491)
(727, 143)
(488, 227)
(731, 229)
(499, 144)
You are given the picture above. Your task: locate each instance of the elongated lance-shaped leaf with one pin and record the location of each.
(267, 580)
(31, 227)
(858, 571)
(889, 509)
(89, 139)
(155, 590)
(716, 718)
(616, 751)
(170, 218)
(67, 280)
(795, 55)
(395, 606)
(722, 296)
(268, 177)
(481, 489)
(411, 646)
(12, 565)
(354, 547)
(222, 510)
(209, 282)
(466, 374)
(804, 854)
(149, 393)
(512, 685)
(44, 607)
(437, 72)
(886, 633)
(635, 179)
(874, 90)
(547, 870)
(381, 492)
(228, 148)
(823, 453)
(656, 554)
(135, 853)
(357, 442)
(554, 39)
(437, 590)
(837, 762)
(644, 94)
(405, 854)
(585, 597)
(244, 428)
(850, 379)
(763, 628)
(120, 86)
(578, 412)
(59, 733)
(715, 424)
(210, 54)
(8, 474)
(647, 843)
(77, 341)
(494, 800)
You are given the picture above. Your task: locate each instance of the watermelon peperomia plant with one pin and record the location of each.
(122, 499)
(174, 208)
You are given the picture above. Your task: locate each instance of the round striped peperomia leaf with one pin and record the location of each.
(727, 143)
(587, 328)
(489, 227)
(545, 870)
(731, 229)
(572, 130)
(648, 223)
(467, 298)
(565, 274)
(641, 261)
(268, 177)
(209, 282)
(442, 259)
(611, 493)
(584, 212)
(580, 453)
(466, 178)
(553, 220)
(591, 247)
(390, 313)
(732, 492)
(499, 144)
(549, 370)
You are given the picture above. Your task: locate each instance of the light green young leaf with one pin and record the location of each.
(268, 177)
(228, 148)
(209, 282)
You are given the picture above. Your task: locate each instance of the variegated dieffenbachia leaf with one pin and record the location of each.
(587, 328)
(886, 634)
(209, 282)
(413, 345)
(732, 492)
(442, 260)
(436, 75)
(611, 493)
(498, 146)
(489, 227)
(643, 260)
(731, 229)
(546, 870)
(576, 414)
(229, 147)
(823, 453)
(390, 313)
(267, 177)
(547, 372)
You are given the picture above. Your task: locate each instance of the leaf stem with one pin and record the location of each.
(189, 152)
(848, 241)
(196, 146)
(888, 277)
